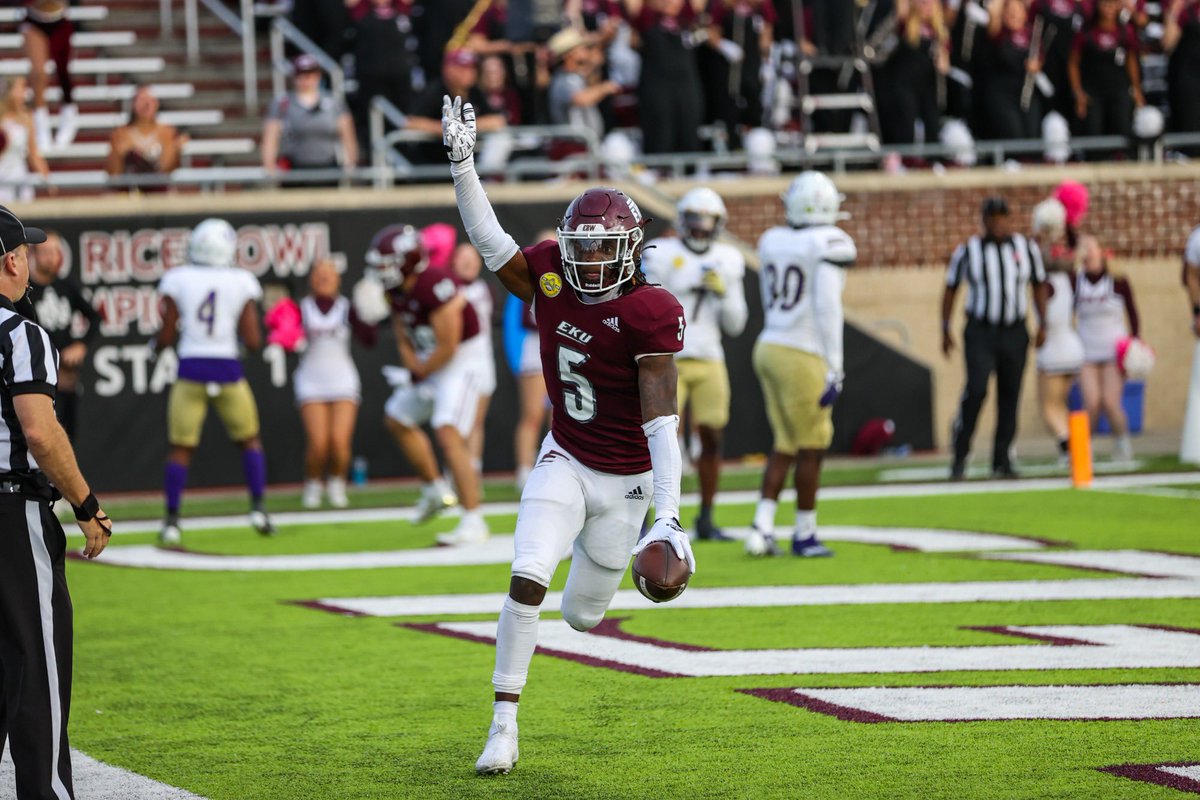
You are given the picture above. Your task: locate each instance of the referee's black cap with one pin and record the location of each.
(994, 206)
(14, 233)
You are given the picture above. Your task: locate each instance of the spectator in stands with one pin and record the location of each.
(326, 22)
(670, 96)
(18, 144)
(460, 76)
(742, 32)
(498, 96)
(1009, 101)
(1103, 301)
(1181, 39)
(1106, 80)
(1060, 20)
(489, 34)
(574, 96)
(48, 30)
(385, 55)
(144, 146)
(436, 27)
(58, 303)
(907, 85)
(308, 128)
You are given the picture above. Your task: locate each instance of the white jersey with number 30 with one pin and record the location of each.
(803, 272)
(210, 302)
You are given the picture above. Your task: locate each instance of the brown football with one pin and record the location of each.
(659, 574)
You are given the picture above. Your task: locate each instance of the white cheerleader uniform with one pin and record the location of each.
(480, 297)
(326, 371)
(14, 164)
(1101, 314)
(1062, 353)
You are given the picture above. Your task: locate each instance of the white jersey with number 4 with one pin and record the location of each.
(669, 263)
(803, 273)
(210, 302)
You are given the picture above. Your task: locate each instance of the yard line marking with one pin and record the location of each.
(979, 703)
(1075, 647)
(499, 550)
(96, 780)
(1130, 562)
(488, 604)
(1182, 777)
(725, 498)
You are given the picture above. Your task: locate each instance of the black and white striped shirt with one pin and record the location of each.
(28, 364)
(998, 273)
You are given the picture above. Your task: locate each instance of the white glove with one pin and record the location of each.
(668, 530)
(731, 50)
(458, 129)
(370, 301)
(397, 377)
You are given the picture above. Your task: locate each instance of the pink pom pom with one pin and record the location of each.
(285, 325)
(1075, 199)
(440, 240)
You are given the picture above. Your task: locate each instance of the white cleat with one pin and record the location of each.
(432, 503)
(312, 495)
(335, 489)
(261, 523)
(170, 536)
(68, 125)
(500, 752)
(760, 544)
(470, 530)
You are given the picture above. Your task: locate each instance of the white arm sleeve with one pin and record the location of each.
(494, 244)
(733, 307)
(662, 436)
(828, 282)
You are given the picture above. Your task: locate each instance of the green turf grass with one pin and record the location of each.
(212, 682)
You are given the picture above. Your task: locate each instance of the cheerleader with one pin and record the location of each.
(1060, 357)
(1103, 303)
(47, 29)
(327, 385)
(467, 265)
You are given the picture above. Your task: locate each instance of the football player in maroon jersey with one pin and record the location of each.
(445, 364)
(607, 343)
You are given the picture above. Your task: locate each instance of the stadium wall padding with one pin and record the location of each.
(121, 439)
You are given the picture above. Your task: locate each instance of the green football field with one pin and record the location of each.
(220, 682)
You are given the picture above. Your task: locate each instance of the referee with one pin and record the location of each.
(37, 467)
(997, 268)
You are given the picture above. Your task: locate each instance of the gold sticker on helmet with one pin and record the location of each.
(551, 284)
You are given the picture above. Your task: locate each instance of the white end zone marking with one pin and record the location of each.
(1099, 647)
(976, 703)
(773, 596)
(1189, 771)
(95, 780)
(1131, 562)
(499, 550)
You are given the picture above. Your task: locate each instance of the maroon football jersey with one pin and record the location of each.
(589, 361)
(434, 288)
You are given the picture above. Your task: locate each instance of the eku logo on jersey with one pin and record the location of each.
(572, 332)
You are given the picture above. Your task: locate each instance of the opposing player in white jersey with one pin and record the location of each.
(207, 305)
(706, 278)
(798, 356)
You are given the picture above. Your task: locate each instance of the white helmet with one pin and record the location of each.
(213, 243)
(1056, 138)
(812, 199)
(1050, 218)
(957, 139)
(760, 152)
(701, 215)
(1148, 123)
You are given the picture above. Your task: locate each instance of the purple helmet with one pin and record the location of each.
(600, 238)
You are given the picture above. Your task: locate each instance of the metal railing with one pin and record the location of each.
(242, 26)
(283, 30)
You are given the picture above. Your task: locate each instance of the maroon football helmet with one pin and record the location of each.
(600, 238)
(395, 253)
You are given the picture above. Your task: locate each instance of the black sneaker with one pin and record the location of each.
(709, 532)
(1005, 472)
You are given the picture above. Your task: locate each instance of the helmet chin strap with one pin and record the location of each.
(594, 299)
(692, 243)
